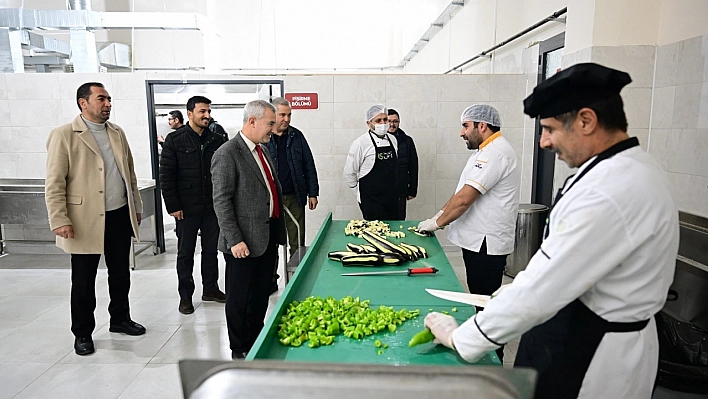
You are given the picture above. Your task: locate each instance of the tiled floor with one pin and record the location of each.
(37, 359)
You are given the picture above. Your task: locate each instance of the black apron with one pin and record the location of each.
(562, 348)
(378, 190)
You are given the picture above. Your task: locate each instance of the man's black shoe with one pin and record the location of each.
(216, 296)
(238, 355)
(127, 327)
(83, 346)
(185, 306)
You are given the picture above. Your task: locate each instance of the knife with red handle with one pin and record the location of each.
(407, 272)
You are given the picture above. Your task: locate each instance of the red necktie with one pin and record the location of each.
(271, 183)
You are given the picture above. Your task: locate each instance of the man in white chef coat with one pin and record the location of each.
(586, 301)
(482, 212)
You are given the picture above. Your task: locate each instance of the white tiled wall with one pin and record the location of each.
(430, 108)
(667, 109)
(679, 126)
(638, 61)
(429, 105)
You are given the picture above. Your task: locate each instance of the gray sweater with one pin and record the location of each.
(116, 196)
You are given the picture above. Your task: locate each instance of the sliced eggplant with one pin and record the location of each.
(383, 244)
(362, 260)
(421, 233)
(416, 254)
(392, 259)
(369, 248)
(413, 248)
(338, 255)
(356, 248)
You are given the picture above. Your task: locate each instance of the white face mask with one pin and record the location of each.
(381, 129)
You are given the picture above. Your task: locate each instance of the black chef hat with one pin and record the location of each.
(576, 87)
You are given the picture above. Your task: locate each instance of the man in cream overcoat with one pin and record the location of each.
(94, 208)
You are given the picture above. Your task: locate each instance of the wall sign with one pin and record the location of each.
(302, 100)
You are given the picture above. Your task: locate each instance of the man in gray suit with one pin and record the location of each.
(248, 204)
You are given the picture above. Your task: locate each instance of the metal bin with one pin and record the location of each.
(529, 234)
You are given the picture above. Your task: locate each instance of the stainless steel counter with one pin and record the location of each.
(275, 379)
(22, 203)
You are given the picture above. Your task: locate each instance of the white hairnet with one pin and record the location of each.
(375, 110)
(481, 113)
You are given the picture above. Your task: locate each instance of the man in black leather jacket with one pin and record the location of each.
(407, 162)
(185, 179)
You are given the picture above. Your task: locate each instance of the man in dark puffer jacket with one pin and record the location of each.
(296, 172)
(407, 163)
(185, 179)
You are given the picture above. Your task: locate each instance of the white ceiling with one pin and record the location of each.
(276, 34)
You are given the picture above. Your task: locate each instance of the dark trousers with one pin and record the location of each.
(484, 274)
(402, 207)
(187, 230)
(248, 283)
(116, 248)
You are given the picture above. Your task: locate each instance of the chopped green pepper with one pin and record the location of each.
(319, 320)
(421, 338)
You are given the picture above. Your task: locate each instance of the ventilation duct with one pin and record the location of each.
(10, 51)
(17, 18)
(46, 60)
(81, 21)
(43, 44)
(80, 5)
(115, 55)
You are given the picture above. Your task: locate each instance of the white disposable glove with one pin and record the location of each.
(441, 326)
(428, 225)
(437, 215)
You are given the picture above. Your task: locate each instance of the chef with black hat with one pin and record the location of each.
(586, 301)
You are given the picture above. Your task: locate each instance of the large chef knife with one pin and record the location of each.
(407, 272)
(470, 299)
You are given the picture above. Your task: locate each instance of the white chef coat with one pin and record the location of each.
(492, 170)
(613, 243)
(362, 156)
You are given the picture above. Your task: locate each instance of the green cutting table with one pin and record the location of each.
(319, 276)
